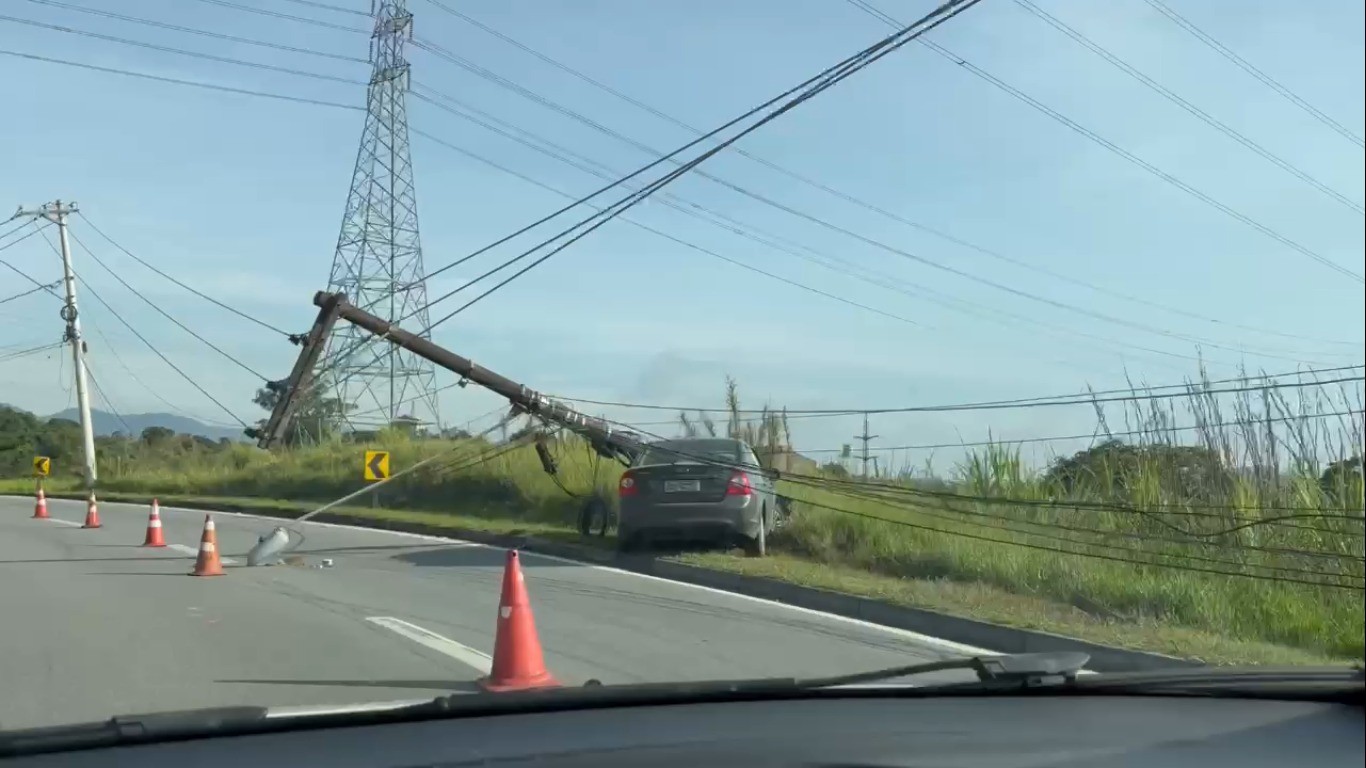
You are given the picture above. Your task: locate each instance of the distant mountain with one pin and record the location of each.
(107, 424)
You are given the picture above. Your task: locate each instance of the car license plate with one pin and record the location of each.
(681, 486)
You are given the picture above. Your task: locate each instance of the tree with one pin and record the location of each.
(316, 418)
(19, 433)
(156, 435)
(1114, 467)
(1341, 481)
(61, 440)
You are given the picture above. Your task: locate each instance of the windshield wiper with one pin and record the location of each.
(1345, 684)
(1009, 670)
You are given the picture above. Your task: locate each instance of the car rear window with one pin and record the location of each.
(678, 451)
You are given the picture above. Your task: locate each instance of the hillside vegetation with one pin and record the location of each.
(1247, 529)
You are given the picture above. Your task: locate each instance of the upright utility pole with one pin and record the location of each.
(57, 212)
(865, 438)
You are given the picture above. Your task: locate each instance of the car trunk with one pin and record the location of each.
(682, 483)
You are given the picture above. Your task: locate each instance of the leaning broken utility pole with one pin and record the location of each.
(606, 440)
(301, 378)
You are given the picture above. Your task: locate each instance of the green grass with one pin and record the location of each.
(1114, 546)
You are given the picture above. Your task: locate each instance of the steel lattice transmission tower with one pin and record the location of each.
(378, 263)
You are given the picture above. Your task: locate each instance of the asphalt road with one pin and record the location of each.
(93, 625)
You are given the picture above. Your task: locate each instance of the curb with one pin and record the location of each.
(997, 638)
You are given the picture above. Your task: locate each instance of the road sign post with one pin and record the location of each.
(376, 469)
(376, 465)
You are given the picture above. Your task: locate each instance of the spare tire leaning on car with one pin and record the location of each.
(595, 510)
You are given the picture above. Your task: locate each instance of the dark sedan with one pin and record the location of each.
(690, 489)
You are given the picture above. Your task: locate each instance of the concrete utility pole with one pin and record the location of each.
(865, 438)
(57, 212)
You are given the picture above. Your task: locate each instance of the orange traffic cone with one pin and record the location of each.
(92, 513)
(207, 564)
(40, 507)
(154, 537)
(518, 663)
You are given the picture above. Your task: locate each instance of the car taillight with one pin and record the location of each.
(627, 486)
(739, 485)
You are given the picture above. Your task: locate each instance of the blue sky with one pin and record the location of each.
(242, 197)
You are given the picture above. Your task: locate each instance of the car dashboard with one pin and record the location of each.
(852, 729)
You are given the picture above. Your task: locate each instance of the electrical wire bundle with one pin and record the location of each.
(1196, 537)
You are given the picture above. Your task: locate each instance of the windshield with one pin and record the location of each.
(863, 352)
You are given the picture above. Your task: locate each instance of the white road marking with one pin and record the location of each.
(439, 643)
(307, 710)
(65, 522)
(194, 552)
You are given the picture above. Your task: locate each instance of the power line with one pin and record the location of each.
(37, 285)
(815, 84)
(22, 294)
(329, 7)
(135, 332)
(1091, 555)
(1168, 94)
(183, 52)
(740, 228)
(19, 240)
(109, 346)
(163, 312)
(779, 278)
(95, 294)
(821, 483)
(884, 281)
(673, 238)
(1197, 539)
(742, 265)
(1347, 514)
(179, 81)
(1115, 148)
(30, 351)
(203, 32)
(812, 86)
(196, 292)
(1098, 434)
(1187, 509)
(869, 492)
(827, 75)
(1090, 399)
(19, 227)
(1247, 67)
(105, 398)
(505, 83)
(286, 16)
(816, 219)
